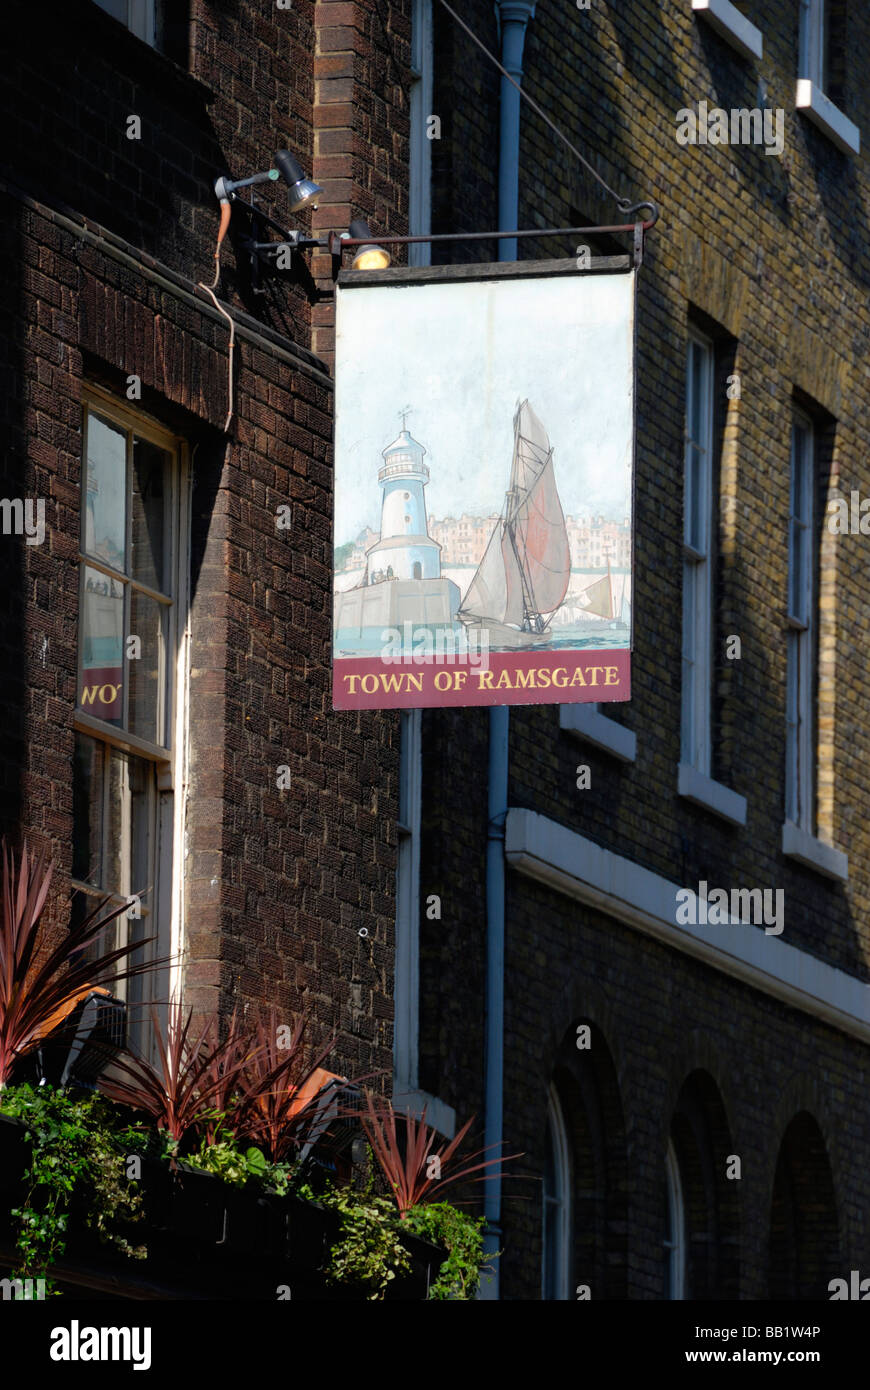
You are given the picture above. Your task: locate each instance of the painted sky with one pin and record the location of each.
(461, 356)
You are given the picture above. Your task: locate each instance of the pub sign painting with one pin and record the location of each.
(483, 490)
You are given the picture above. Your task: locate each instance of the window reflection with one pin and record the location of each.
(106, 512)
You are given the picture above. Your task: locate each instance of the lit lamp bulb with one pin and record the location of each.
(370, 256)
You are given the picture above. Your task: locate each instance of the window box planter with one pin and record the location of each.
(205, 1240)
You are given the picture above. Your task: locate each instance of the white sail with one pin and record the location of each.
(496, 589)
(526, 567)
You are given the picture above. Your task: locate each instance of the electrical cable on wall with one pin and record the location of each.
(226, 211)
(624, 204)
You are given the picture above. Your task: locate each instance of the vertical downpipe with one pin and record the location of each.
(513, 15)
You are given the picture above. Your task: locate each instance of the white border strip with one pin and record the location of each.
(829, 118)
(590, 724)
(734, 27)
(543, 849)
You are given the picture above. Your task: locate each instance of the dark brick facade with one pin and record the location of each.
(773, 256)
(112, 236)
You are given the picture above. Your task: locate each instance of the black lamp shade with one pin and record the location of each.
(289, 166)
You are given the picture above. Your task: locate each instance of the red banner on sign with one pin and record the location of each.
(505, 678)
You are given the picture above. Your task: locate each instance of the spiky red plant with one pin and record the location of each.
(41, 984)
(225, 1067)
(278, 1094)
(416, 1171)
(180, 1092)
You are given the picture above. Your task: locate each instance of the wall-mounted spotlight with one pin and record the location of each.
(369, 256)
(302, 189)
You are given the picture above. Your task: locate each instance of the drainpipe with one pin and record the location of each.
(513, 16)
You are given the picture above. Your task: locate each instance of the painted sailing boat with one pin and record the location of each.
(526, 567)
(599, 602)
(600, 596)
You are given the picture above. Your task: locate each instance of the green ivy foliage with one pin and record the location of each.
(461, 1236)
(238, 1166)
(76, 1145)
(370, 1252)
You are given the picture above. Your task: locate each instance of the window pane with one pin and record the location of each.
(147, 622)
(116, 8)
(697, 402)
(87, 809)
(800, 557)
(696, 536)
(102, 645)
(105, 512)
(128, 837)
(147, 522)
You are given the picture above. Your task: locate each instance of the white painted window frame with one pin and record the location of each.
(676, 1247)
(170, 761)
(799, 839)
(810, 94)
(406, 1028)
(562, 1200)
(697, 565)
(420, 163)
(733, 26)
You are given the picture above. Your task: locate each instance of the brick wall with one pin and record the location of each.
(772, 254)
(361, 117)
(278, 883)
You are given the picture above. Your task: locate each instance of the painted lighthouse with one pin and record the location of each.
(402, 582)
(404, 550)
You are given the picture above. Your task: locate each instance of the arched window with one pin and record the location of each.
(556, 1271)
(804, 1230)
(701, 1144)
(674, 1243)
(418, 570)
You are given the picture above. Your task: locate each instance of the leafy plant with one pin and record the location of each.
(74, 1148)
(370, 1252)
(225, 1067)
(415, 1170)
(278, 1090)
(179, 1092)
(228, 1161)
(461, 1236)
(40, 984)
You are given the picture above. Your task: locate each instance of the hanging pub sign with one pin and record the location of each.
(484, 428)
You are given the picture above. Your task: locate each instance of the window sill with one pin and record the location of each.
(438, 1114)
(727, 20)
(596, 728)
(829, 118)
(806, 849)
(136, 58)
(701, 790)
